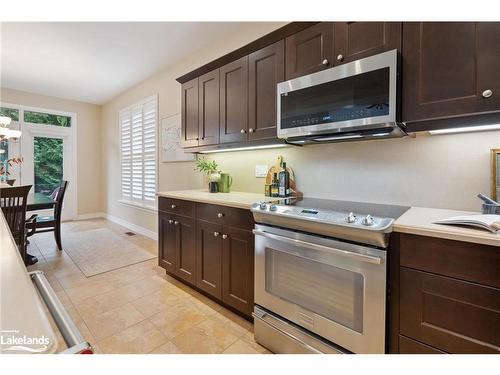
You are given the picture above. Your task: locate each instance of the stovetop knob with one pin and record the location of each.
(351, 218)
(273, 207)
(263, 206)
(368, 220)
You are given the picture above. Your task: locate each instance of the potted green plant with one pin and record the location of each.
(211, 169)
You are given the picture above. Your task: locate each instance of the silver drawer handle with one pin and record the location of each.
(216, 234)
(70, 333)
(291, 241)
(224, 236)
(220, 215)
(325, 62)
(173, 206)
(176, 222)
(170, 221)
(340, 57)
(487, 94)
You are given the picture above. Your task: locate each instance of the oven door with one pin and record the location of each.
(357, 96)
(332, 288)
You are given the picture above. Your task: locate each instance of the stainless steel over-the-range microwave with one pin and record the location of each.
(354, 101)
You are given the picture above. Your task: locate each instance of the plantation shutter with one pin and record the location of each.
(138, 152)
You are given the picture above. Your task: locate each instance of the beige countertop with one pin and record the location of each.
(22, 312)
(233, 199)
(418, 220)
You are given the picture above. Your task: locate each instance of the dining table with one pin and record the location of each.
(36, 201)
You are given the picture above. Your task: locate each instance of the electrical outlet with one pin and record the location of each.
(261, 171)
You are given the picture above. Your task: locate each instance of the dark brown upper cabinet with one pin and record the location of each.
(189, 115)
(266, 69)
(309, 50)
(208, 131)
(450, 69)
(357, 40)
(234, 101)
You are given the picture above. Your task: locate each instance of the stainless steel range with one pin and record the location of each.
(320, 275)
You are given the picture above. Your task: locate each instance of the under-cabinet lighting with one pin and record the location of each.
(465, 129)
(243, 148)
(338, 137)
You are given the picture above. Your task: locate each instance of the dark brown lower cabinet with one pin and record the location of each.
(453, 315)
(211, 248)
(209, 257)
(167, 242)
(443, 296)
(238, 269)
(177, 245)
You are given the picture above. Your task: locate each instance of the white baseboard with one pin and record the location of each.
(93, 215)
(133, 227)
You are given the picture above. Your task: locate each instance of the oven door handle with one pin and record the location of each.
(344, 253)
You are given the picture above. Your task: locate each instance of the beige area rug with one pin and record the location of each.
(101, 250)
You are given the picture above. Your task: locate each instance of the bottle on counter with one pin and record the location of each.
(284, 182)
(275, 186)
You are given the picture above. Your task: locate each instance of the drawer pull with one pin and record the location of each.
(220, 215)
(487, 94)
(224, 236)
(216, 234)
(170, 221)
(176, 222)
(173, 206)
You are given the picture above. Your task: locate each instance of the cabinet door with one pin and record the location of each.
(447, 66)
(266, 69)
(238, 269)
(448, 314)
(209, 108)
(209, 257)
(186, 248)
(309, 50)
(167, 248)
(189, 114)
(234, 101)
(356, 40)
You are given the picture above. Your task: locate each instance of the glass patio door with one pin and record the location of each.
(48, 159)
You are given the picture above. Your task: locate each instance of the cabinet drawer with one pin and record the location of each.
(227, 216)
(452, 315)
(462, 260)
(176, 206)
(409, 346)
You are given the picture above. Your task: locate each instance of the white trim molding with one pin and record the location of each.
(133, 227)
(89, 216)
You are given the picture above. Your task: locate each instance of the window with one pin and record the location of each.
(47, 119)
(138, 152)
(10, 112)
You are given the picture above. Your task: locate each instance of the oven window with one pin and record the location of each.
(332, 292)
(360, 96)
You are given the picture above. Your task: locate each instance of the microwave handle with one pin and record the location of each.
(344, 253)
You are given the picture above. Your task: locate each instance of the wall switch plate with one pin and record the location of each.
(261, 171)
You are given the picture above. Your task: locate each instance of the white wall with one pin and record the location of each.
(89, 161)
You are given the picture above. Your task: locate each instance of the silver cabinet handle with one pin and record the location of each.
(340, 57)
(70, 333)
(487, 93)
(224, 236)
(216, 234)
(344, 253)
(176, 222)
(325, 62)
(243, 131)
(250, 130)
(220, 215)
(170, 221)
(173, 206)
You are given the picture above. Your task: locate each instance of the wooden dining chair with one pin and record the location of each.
(11, 182)
(51, 223)
(13, 202)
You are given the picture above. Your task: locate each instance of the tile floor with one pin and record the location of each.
(138, 308)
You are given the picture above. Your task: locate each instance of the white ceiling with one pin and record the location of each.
(93, 62)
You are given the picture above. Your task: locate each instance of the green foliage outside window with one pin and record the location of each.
(47, 118)
(10, 112)
(48, 164)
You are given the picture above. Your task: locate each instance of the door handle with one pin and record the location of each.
(344, 253)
